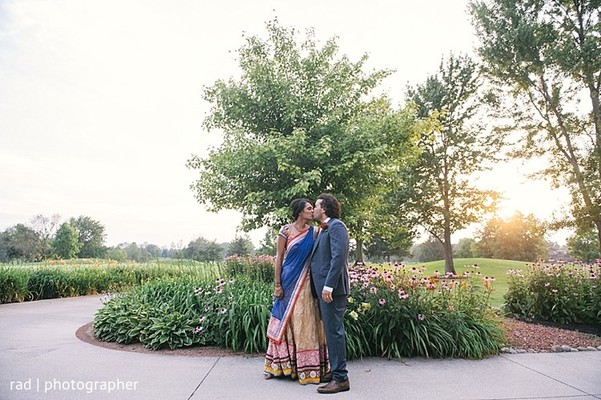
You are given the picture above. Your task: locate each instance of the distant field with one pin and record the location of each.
(487, 267)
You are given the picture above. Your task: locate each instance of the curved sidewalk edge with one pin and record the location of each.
(41, 358)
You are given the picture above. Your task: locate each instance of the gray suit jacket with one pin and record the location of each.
(329, 259)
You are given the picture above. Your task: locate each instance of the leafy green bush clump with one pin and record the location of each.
(13, 284)
(184, 311)
(256, 267)
(397, 312)
(391, 313)
(560, 293)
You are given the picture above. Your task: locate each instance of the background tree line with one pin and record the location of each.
(517, 238)
(520, 237)
(83, 237)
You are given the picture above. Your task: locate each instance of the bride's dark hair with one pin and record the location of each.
(297, 206)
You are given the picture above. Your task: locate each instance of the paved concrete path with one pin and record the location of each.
(41, 358)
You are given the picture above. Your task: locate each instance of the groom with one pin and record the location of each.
(329, 271)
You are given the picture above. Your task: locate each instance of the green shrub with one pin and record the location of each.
(121, 319)
(255, 267)
(47, 283)
(64, 279)
(248, 315)
(396, 313)
(13, 284)
(184, 311)
(390, 314)
(561, 293)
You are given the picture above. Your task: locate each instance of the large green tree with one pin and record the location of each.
(521, 237)
(465, 248)
(202, 249)
(240, 246)
(436, 192)
(91, 237)
(299, 120)
(21, 242)
(268, 245)
(547, 55)
(429, 250)
(583, 246)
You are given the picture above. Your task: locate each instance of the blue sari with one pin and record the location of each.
(294, 271)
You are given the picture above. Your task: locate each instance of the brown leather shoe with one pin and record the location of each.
(326, 378)
(335, 387)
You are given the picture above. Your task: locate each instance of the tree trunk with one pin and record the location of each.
(598, 225)
(448, 254)
(359, 251)
(446, 242)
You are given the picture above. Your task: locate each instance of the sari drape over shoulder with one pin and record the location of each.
(297, 345)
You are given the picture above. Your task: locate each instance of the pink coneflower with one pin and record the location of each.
(488, 281)
(373, 290)
(382, 302)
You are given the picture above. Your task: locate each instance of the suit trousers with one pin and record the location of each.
(333, 321)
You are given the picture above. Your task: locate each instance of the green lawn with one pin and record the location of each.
(487, 267)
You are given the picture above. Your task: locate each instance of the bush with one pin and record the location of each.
(13, 285)
(255, 267)
(183, 312)
(396, 313)
(560, 293)
(68, 278)
(391, 314)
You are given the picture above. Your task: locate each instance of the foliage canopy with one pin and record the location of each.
(547, 55)
(300, 120)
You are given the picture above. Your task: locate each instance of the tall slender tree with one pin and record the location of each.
(66, 242)
(436, 192)
(547, 55)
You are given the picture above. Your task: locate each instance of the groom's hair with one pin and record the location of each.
(330, 204)
(297, 206)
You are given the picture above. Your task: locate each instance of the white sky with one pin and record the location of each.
(100, 100)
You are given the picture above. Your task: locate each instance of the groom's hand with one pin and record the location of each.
(326, 296)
